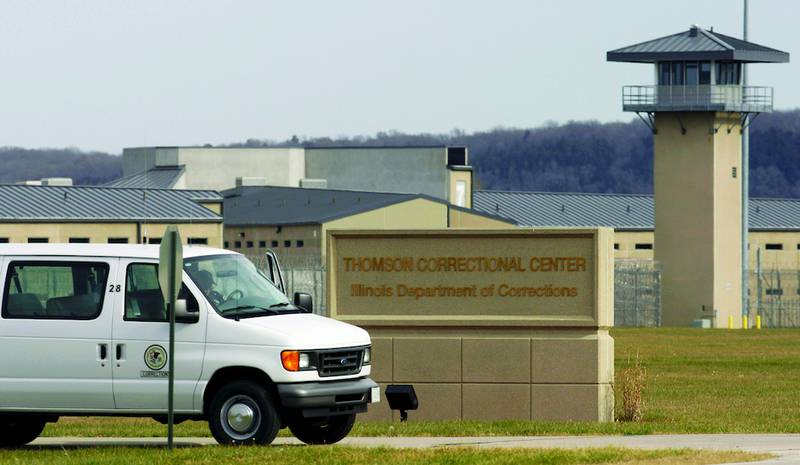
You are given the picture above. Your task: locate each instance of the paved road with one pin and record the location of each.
(785, 446)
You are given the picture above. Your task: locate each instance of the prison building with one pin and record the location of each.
(72, 214)
(294, 221)
(774, 223)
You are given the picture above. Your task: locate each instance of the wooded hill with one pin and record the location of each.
(572, 157)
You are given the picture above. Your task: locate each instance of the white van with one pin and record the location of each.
(84, 331)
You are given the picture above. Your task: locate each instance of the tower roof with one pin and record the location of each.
(697, 44)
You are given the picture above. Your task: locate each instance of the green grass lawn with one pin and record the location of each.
(709, 381)
(334, 455)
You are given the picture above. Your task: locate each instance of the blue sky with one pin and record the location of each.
(106, 74)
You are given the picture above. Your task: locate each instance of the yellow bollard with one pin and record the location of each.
(758, 321)
(730, 321)
(745, 324)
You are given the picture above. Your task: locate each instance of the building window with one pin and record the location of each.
(225, 244)
(461, 194)
(773, 246)
(705, 73)
(117, 240)
(300, 244)
(237, 245)
(55, 290)
(692, 76)
(4, 240)
(644, 246)
(728, 73)
(197, 241)
(154, 240)
(287, 243)
(249, 244)
(678, 73)
(663, 73)
(774, 291)
(616, 246)
(262, 244)
(733, 172)
(38, 240)
(274, 243)
(78, 240)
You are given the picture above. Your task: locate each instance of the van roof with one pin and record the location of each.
(104, 250)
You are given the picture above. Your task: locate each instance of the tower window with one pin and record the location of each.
(262, 244)
(773, 246)
(733, 172)
(287, 243)
(644, 246)
(616, 246)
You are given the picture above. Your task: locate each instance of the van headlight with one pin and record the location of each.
(294, 360)
(367, 355)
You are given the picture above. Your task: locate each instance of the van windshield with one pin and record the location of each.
(235, 287)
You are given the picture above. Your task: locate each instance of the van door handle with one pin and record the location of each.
(102, 350)
(119, 351)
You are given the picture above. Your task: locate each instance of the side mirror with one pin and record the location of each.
(185, 315)
(304, 301)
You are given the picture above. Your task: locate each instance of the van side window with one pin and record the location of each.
(55, 290)
(143, 299)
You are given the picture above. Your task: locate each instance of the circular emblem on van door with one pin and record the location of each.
(155, 357)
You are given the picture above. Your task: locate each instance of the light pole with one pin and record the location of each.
(745, 187)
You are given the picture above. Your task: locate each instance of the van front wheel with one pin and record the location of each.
(328, 431)
(19, 431)
(242, 413)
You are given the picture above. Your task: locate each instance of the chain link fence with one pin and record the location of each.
(637, 293)
(775, 297)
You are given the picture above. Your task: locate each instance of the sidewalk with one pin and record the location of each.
(785, 446)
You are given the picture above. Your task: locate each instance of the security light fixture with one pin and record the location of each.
(403, 398)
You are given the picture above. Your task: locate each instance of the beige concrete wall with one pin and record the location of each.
(456, 176)
(414, 214)
(101, 232)
(697, 210)
(218, 168)
(487, 356)
(496, 374)
(462, 219)
(293, 255)
(786, 259)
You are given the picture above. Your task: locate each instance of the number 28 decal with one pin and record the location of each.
(114, 288)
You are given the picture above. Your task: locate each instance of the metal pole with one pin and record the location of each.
(171, 357)
(745, 186)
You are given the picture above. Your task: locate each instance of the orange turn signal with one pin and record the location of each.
(290, 360)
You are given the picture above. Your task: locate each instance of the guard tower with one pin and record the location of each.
(697, 110)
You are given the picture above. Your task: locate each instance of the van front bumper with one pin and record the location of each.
(328, 398)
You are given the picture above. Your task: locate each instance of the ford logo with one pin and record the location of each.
(343, 362)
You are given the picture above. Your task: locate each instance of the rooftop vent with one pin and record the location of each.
(245, 181)
(693, 30)
(314, 183)
(56, 181)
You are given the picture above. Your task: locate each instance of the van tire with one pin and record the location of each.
(331, 431)
(18, 432)
(242, 413)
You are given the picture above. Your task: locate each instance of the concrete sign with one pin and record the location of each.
(486, 324)
(517, 276)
